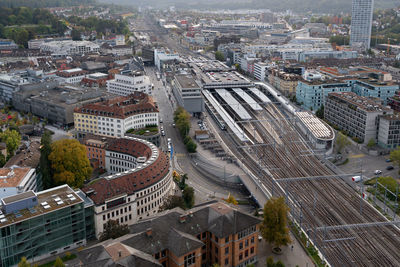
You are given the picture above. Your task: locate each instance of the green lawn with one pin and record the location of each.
(149, 130)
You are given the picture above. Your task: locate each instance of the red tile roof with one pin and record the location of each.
(132, 182)
(121, 107)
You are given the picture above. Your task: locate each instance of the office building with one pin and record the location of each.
(211, 233)
(356, 115)
(115, 116)
(389, 131)
(7, 44)
(56, 103)
(260, 71)
(71, 76)
(187, 92)
(361, 23)
(141, 179)
(68, 47)
(129, 82)
(162, 57)
(39, 225)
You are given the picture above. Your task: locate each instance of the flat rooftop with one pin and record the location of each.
(234, 104)
(361, 102)
(186, 81)
(48, 201)
(226, 79)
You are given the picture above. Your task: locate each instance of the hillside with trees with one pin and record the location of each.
(44, 3)
(324, 6)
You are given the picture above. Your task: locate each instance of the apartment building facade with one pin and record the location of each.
(357, 116)
(115, 116)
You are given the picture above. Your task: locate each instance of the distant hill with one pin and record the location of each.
(325, 6)
(44, 3)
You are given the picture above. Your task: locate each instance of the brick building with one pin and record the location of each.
(210, 233)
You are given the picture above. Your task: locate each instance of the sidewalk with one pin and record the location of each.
(289, 257)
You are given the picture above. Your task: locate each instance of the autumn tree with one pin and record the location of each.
(44, 163)
(69, 163)
(231, 199)
(12, 139)
(219, 56)
(274, 227)
(182, 121)
(113, 230)
(59, 262)
(341, 142)
(24, 263)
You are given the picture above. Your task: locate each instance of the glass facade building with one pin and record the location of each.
(361, 23)
(55, 223)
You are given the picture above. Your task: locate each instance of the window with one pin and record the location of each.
(226, 239)
(226, 261)
(251, 250)
(241, 256)
(189, 259)
(252, 240)
(241, 245)
(203, 235)
(246, 243)
(246, 253)
(226, 250)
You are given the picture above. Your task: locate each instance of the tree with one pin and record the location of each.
(395, 156)
(44, 163)
(341, 142)
(69, 163)
(231, 199)
(12, 139)
(191, 146)
(270, 262)
(24, 263)
(59, 262)
(182, 182)
(113, 230)
(320, 112)
(274, 227)
(2, 160)
(219, 56)
(75, 35)
(188, 197)
(371, 143)
(172, 202)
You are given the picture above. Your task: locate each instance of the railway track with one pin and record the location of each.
(326, 202)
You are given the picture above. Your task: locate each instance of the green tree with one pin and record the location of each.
(395, 156)
(182, 182)
(219, 56)
(341, 142)
(2, 160)
(12, 139)
(274, 227)
(172, 202)
(188, 197)
(114, 230)
(371, 143)
(76, 35)
(320, 112)
(44, 163)
(191, 146)
(24, 263)
(69, 163)
(270, 262)
(59, 262)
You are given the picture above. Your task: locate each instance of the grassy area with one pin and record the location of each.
(149, 130)
(64, 259)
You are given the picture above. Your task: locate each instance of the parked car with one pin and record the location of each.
(356, 179)
(162, 133)
(389, 168)
(388, 160)
(377, 172)
(160, 120)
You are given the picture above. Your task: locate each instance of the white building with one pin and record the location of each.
(120, 39)
(161, 56)
(17, 180)
(260, 70)
(361, 23)
(114, 117)
(129, 82)
(67, 47)
(71, 76)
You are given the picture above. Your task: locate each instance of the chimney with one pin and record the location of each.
(182, 218)
(119, 253)
(149, 232)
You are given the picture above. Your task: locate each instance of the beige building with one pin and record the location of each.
(286, 83)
